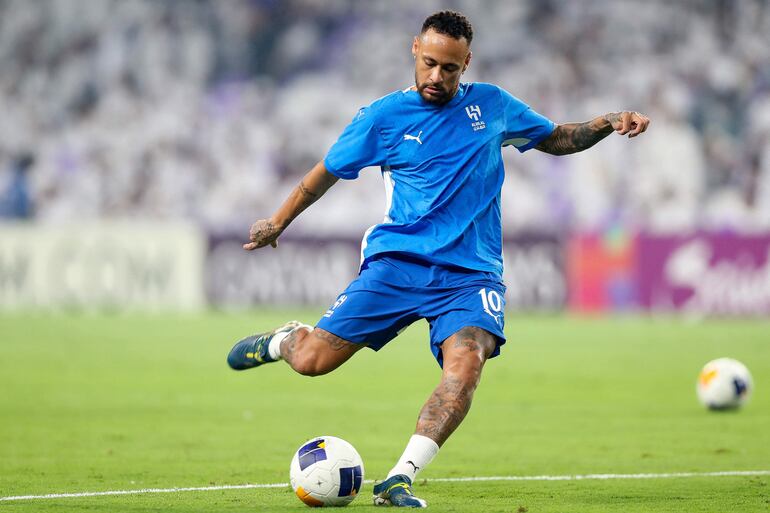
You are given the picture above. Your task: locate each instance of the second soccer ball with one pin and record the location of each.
(724, 384)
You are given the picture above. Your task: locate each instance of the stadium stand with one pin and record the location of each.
(209, 111)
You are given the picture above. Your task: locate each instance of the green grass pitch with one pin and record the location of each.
(94, 403)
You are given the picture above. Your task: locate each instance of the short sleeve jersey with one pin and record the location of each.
(443, 171)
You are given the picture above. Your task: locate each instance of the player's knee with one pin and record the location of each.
(311, 362)
(465, 354)
(308, 365)
(307, 368)
(465, 373)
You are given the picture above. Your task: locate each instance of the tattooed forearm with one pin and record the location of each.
(307, 192)
(312, 186)
(575, 137)
(304, 195)
(445, 409)
(301, 198)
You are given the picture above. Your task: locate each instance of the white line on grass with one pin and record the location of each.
(579, 477)
(143, 490)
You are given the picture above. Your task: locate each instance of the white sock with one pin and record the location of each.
(418, 453)
(274, 348)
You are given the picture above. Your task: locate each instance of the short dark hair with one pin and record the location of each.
(450, 23)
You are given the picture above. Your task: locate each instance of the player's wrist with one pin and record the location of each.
(279, 223)
(609, 120)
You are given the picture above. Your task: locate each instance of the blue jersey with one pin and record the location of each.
(443, 171)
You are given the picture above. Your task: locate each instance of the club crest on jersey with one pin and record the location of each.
(474, 112)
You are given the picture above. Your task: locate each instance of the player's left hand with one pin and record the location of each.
(627, 122)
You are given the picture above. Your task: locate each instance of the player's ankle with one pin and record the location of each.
(274, 347)
(419, 452)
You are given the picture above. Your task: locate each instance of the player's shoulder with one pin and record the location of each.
(392, 100)
(487, 89)
(482, 88)
(384, 105)
(507, 101)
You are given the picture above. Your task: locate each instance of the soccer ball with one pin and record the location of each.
(724, 384)
(326, 471)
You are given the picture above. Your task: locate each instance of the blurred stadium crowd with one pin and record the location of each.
(211, 111)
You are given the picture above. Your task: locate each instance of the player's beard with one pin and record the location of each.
(441, 98)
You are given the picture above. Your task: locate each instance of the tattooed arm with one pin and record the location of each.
(314, 184)
(575, 137)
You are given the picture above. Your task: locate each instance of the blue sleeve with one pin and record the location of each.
(360, 145)
(524, 128)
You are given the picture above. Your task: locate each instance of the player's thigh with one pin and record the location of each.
(373, 309)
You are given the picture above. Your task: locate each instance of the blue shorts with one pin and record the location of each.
(393, 291)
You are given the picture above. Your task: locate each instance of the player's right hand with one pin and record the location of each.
(262, 233)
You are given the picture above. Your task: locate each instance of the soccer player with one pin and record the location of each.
(438, 253)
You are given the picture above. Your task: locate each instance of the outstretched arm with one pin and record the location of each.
(314, 184)
(575, 137)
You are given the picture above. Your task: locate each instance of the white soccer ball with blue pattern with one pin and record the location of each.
(326, 471)
(724, 384)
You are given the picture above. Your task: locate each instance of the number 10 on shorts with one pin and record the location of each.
(492, 303)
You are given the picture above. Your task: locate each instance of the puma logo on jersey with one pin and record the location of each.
(408, 137)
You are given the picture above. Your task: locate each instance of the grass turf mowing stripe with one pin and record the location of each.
(579, 477)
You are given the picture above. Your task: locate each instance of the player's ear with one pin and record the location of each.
(467, 61)
(415, 46)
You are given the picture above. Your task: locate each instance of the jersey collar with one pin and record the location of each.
(457, 98)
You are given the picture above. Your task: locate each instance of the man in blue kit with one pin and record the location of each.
(438, 253)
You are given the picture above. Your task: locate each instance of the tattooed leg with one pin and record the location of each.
(464, 355)
(316, 352)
